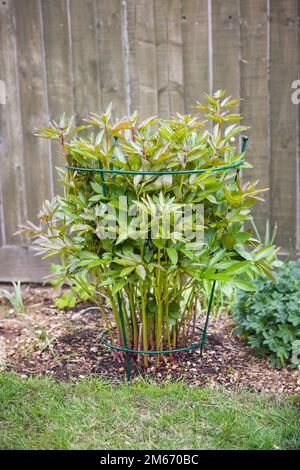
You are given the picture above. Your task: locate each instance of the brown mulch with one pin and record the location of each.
(78, 353)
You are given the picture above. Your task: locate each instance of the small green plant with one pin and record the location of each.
(226, 294)
(79, 288)
(67, 299)
(269, 317)
(14, 297)
(40, 336)
(36, 330)
(158, 280)
(268, 239)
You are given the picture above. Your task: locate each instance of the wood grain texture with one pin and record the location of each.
(143, 65)
(58, 67)
(169, 56)
(12, 185)
(110, 54)
(225, 43)
(86, 80)
(33, 104)
(20, 264)
(255, 95)
(2, 222)
(283, 120)
(297, 248)
(162, 40)
(195, 51)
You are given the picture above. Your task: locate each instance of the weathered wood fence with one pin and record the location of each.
(158, 56)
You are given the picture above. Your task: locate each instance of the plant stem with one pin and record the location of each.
(159, 320)
(130, 295)
(144, 321)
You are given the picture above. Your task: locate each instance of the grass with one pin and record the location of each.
(38, 413)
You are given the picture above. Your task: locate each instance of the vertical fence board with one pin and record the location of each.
(58, 63)
(169, 56)
(12, 187)
(85, 59)
(33, 106)
(142, 49)
(20, 264)
(110, 50)
(161, 33)
(225, 43)
(255, 95)
(2, 226)
(283, 120)
(175, 56)
(298, 143)
(195, 51)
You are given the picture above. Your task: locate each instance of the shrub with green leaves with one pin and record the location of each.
(269, 317)
(159, 279)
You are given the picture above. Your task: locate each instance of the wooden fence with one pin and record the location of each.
(157, 56)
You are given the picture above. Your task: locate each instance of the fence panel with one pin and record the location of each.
(159, 56)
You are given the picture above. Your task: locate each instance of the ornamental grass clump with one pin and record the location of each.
(156, 275)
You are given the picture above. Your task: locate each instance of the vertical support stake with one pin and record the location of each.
(102, 180)
(128, 366)
(207, 317)
(245, 139)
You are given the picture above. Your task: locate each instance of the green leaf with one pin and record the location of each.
(96, 187)
(141, 271)
(243, 285)
(117, 287)
(172, 253)
(81, 228)
(174, 310)
(264, 252)
(158, 242)
(127, 271)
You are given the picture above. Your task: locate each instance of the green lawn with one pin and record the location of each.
(42, 414)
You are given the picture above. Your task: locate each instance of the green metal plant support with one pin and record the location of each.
(200, 344)
(128, 351)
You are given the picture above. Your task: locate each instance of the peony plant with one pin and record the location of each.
(100, 227)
